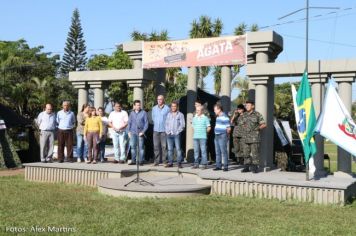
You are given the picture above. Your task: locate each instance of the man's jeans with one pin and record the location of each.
(119, 142)
(221, 149)
(82, 147)
(174, 141)
(160, 146)
(200, 144)
(133, 146)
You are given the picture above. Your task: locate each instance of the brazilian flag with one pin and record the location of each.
(307, 120)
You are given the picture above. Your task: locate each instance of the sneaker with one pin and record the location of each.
(132, 163)
(79, 160)
(44, 161)
(50, 161)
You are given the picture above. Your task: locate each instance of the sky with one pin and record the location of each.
(107, 23)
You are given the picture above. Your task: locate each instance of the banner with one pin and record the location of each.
(280, 133)
(230, 50)
(335, 122)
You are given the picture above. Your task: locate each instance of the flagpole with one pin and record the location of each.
(306, 68)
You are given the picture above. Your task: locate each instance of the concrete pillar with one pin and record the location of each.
(160, 86)
(97, 86)
(82, 93)
(264, 104)
(263, 47)
(191, 98)
(138, 95)
(318, 90)
(344, 159)
(226, 88)
(82, 97)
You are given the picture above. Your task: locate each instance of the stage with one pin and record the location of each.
(273, 184)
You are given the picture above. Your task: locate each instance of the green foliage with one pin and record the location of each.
(74, 57)
(241, 83)
(28, 78)
(283, 103)
(353, 113)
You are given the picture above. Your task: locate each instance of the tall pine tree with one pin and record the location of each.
(74, 57)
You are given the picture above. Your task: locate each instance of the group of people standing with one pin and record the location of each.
(92, 128)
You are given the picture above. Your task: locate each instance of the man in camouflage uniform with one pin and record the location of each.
(237, 134)
(252, 122)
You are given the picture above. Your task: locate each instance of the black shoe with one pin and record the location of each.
(226, 169)
(180, 165)
(121, 162)
(168, 165)
(216, 168)
(195, 167)
(115, 161)
(246, 169)
(141, 163)
(60, 161)
(50, 161)
(132, 163)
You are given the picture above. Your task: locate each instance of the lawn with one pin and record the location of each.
(26, 204)
(331, 149)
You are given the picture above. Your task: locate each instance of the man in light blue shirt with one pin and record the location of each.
(159, 115)
(66, 124)
(46, 122)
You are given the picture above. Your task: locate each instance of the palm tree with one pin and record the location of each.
(242, 84)
(217, 79)
(205, 28)
(240, 29)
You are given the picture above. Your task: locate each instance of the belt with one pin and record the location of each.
(48, 130)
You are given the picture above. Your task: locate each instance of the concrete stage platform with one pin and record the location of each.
(273, 184)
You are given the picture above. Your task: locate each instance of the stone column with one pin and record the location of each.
(264, 102)
(82, 93)
(191, 98)
(98, 93)
(263, 47)
(344, 159)
(160, 82)
(226, 88)
(138, 94)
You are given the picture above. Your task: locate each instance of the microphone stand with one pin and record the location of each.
(138, 179)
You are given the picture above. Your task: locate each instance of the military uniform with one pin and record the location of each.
(251, 137)
(237, 135)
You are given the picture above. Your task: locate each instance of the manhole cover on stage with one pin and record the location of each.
(162, 186)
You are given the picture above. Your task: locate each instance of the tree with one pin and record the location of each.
(353, 111)
(242, 84)
(205, 28)
(27, 77)
(74, 57)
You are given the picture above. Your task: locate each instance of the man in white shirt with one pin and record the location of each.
(118, 122)
(46, 122)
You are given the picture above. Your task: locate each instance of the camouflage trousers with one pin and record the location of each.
(238, 147)
(251, 153)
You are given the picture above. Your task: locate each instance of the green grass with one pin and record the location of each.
(331, 149)
(26, 204)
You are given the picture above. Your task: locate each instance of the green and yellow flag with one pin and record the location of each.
(307, 120)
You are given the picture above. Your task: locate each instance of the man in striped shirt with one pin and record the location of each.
(222, 131)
